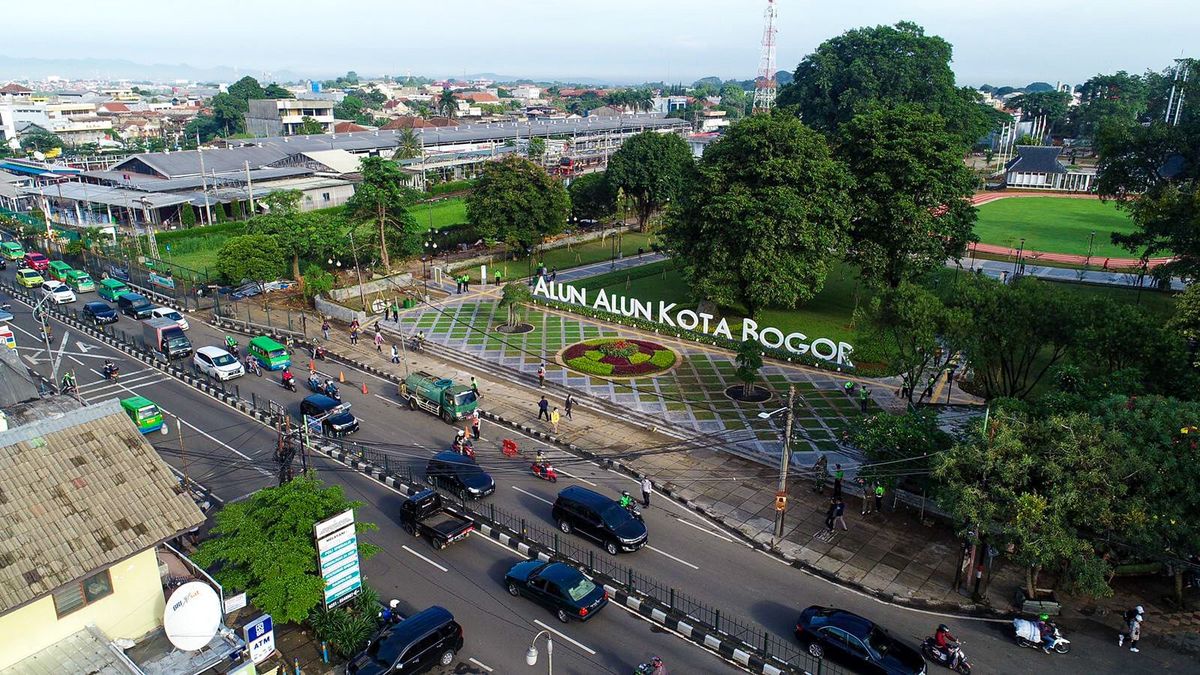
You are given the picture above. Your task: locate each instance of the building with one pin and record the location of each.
(1037, 168)
(284, 116)
(15, 93)
(88, 510)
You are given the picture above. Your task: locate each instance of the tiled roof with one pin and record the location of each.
(1036, 159)
(14, 88)
(347, 127)
(477, 97)
(114, 107)
(80, 492)
(413, 122)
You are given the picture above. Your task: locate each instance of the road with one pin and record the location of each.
(231, 453)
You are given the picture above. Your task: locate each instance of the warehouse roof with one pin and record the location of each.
(187, 162)
(113, 196)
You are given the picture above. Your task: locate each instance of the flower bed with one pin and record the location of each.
(620, 357)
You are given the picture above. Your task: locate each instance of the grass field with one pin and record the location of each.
(562, 258)
(1053, 225)
(441, 213)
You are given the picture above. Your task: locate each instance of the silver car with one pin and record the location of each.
(218, 363)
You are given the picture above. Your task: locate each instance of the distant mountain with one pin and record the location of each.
(13, 67)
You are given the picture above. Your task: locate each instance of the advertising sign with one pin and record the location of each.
(337, 548)
(161, 281)
(260, 638)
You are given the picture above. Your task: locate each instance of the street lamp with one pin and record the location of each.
(1017, 260)
(531, 654)
(785, 460)
(1091, 238)
(431, 251)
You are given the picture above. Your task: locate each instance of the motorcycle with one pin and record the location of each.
(318, 353)
(111, 373)
(1027, 635)
(331, 391)
(232, 348)
(253, 367)
(463, 447)
(644, 669)
(953, 658)
(390, 613)
(544, 471)
(289, 381)
(634, 510)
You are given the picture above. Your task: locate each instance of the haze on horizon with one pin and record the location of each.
(616, 40)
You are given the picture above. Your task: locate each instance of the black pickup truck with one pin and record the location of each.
(422, 515)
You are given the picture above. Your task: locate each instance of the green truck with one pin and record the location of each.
(440, 396)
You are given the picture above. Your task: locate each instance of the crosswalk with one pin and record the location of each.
(93, 391)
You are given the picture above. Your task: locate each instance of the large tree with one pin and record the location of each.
(651, 168)
(383, 198)
(765, 214)
(298, 234)
(275, 91)
(1051, 105)
(1118, 99)
(912, 197)
(592, 197)
(264, 546)
(517, 202)
(913, 327)
(883, 65)
(252, 257)
(246, 88)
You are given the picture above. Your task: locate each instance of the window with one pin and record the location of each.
(325, 196)
(82, 593)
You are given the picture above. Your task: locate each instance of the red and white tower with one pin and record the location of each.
(765, 85)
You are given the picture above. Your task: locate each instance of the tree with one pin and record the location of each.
(382, 197)
(749, 361)
(1049, 104)
(733, 101)
(409, 146)
(765, 213)
(316, 281)
(355, 109)
(517, 202)
(592, 197)
(40, 140)
(187, 215)
(264, 545)
(910, 323)
(884, 65)
(309, 126)
(228, 113)
(537, 148)
(246, 88)
(253, 257)
(899, 445)
(1118, 99)
(1186, 319)
(512, 296)
(275, 91)
(650, 167)
(913, 208)
(447, 104)
(298, 234)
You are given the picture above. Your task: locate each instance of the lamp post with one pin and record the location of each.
(531, 654)
(1017, 260)
(785, 460)
(357, 272)
(1091, 238)
(430, 251)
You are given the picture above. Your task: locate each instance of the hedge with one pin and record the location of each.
(663, 358)
(586, 365)
(450, 186)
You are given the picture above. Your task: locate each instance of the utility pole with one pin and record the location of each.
(204, 182)
(187, 483)
(249, 189)
(358, 272)
(785, 460)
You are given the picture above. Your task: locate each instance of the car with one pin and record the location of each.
(168, 313)
(855, 642)
(459, 474)
(557, 586)
(29, 278)
(218, 363)
(37, 261)
(135, 305)
(591, 514)
(336, 418)
(426, 639)
(57, 291)
(100, 312)
(5, 315)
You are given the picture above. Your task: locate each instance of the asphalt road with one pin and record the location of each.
(230, 453)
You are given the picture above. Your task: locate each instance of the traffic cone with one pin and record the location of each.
(312, 365)
(364, 388)
(342, 376)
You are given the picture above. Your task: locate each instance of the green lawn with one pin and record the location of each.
(441, 213)
(1053, 225)
(567, 256)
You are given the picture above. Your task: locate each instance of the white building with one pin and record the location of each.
(284, 116)
(1037, 168)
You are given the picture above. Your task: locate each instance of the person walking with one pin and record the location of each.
(498, 277)
(544, 409)
(378, 341)
(395, 354)
(864, 395)
(553, 274)
(325, 329)
(820, 473)
(555, 417)
(353, 336)
(838, 475)
(568, 404)
(879, 498)
(839, 513)
(355, 325)
(475, 386)
(647, 490)
(541, 373)
(866, 496)
(1132, 619)
(475, 422)
(395, 311)
(829, 514)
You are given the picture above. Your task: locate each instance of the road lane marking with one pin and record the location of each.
(566, 637)
(540, 499)
(678, 560)
(578, 478)
(481, 664)
(406, 548)
(702, 529)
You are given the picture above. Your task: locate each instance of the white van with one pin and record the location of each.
(168, 313)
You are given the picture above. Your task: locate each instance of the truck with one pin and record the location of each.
(440, 396)
(424, 515)
(164, 335)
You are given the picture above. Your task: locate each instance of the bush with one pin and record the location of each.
(663, 358)
(639, 358)
(450, 186)
(594, 354)
(585, 365)
(619, 348)
(348, 628)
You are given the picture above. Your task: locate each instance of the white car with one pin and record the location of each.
(168, 313)
(218, 363)
(57, 291)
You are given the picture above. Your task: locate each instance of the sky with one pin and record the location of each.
(1015, 42)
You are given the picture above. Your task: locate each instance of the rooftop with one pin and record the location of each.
(78, 493)
(1036, 159)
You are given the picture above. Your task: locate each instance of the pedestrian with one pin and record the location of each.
(541, 375)
(458, 285)
(555, 417)
(820, 472)
(497, 277)
(475, 386)
(378, 341)
(568, 404)
(864, 395)
(879, 498)
(466, 283)
(353, 336)
(866, 496)
(325, 329)
(829, 514)
(929, 387)
(544, 409)
(475, 424)
(395, 354)
(838, 475)
(395, 311)
(1132, 619)
(839, 513)
(355, 325)
(647, 490)
(553, 273)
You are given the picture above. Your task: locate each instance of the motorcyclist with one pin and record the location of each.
(539, 458)
(943, 638)
(460, 437)
(68, 382)
(626, 500)
(657, 667)
(330, 389)
(1046, 630)
(110, 369)
(313, 380)
(286, 376)
(251, 363)
(231, 344)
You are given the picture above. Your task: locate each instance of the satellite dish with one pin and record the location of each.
(193, 616)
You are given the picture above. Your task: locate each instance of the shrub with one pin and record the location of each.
(586, 365)
(639, 357)
(594, 354)
(622, 349)
(348, 628)
(663, 358)
(450, 186)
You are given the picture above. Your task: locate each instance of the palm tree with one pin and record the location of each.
(447, 103)
(410, 145)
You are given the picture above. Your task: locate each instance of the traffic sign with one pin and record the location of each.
(780, 501)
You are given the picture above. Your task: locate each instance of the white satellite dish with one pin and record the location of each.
(193, 616)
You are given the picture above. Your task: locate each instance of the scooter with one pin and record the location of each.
(544, 471)
(331, 391)
(318, 353)
(1027, 635)
(644, 669)
(289, 381)
(111, 373)
(955, 660)
(463, 446)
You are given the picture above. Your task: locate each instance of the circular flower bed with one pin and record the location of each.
(620, 357)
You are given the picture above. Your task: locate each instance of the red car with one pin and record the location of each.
(37, 261)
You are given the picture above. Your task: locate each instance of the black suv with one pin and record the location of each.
(338, 420)
(460, 475)
(595, 516)
(135, 305)
(855, 642)
(426, 639)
